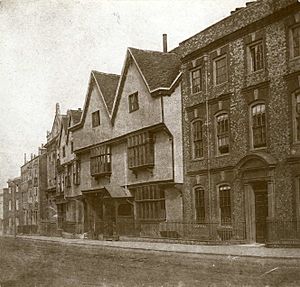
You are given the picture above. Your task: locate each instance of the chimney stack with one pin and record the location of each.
(165, 43)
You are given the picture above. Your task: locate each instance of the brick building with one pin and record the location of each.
(12, 202)
(241, 101)
(33, 191)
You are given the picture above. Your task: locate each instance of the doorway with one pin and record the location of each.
(261, 210)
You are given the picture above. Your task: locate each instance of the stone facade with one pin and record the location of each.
(244, 167)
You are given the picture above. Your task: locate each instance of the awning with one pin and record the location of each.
(116, 191)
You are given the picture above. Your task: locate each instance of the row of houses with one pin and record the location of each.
(198, 143)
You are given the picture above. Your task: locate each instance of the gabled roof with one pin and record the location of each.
(75, 115)
(159, 69)
(108, 85)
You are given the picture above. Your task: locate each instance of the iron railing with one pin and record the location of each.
(283, 232)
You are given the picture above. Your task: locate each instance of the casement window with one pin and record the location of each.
(225, 204)
(199, 204)
(133, 102)
(150, 202)
(76, 172)
(220, 70)
(258, 122)
(17, 204)
(197, 139)
(295, 41)
(222, 122)
(72, 147)
(196, 80)
(256, 56)
(100, 163)
(96, 119)
(296, 116)
(140, 150)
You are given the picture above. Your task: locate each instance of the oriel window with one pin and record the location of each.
(140, 150)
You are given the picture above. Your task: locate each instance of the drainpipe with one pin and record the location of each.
(208, 140)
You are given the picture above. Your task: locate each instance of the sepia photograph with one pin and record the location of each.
(149, 143)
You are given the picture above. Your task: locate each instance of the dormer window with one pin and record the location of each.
(133, 101)
(96, 119)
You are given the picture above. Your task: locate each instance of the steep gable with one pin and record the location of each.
(106, 85)
(159, 69)
(160, 72)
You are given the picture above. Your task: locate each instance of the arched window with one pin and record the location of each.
(225, 204)
(197, 138)
(258, 125)
(199, 204)
(222, 133)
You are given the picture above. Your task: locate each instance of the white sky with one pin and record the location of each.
(49, 47)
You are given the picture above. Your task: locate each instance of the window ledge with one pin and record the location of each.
(145, 166)
(220, 85)
(294, 59)
(101, 174)
(250, 73)
(258, 148)
(222, 155)
(197, 159)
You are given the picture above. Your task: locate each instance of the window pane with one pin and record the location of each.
(259, 125)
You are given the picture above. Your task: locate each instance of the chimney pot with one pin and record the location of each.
(165, 43)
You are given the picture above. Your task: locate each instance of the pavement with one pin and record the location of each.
(243, 250)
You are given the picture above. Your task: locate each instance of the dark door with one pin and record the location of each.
(261, 212)
(109, 217)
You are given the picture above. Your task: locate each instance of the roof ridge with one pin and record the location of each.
(155, 51)
(105, 73)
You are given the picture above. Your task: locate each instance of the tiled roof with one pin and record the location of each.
(108, 85)
(76, 115)
(159, 69)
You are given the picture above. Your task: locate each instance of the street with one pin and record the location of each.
(32, 263)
